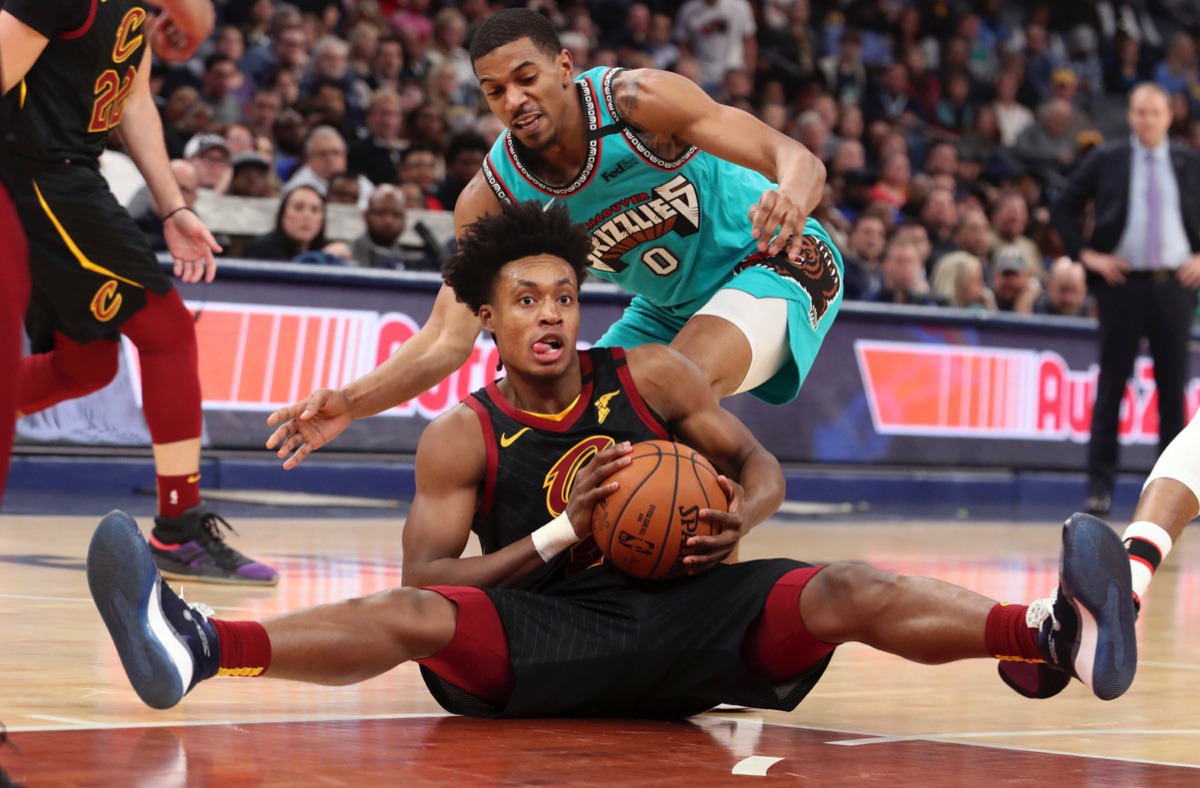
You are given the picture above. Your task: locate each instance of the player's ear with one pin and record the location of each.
(566, 65)
(488, 318)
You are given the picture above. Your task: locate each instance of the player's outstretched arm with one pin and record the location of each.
(189, 241)
(442, 345)
(679, 392)
(667, 104)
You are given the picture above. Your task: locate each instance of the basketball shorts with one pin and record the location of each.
(90, 264)
(600, 644)
(812, 286)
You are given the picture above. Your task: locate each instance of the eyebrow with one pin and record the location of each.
(513, 71)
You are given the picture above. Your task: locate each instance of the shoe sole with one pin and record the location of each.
(126, 588)
(1095, 579)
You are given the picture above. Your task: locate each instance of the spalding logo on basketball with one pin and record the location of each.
(643, 527)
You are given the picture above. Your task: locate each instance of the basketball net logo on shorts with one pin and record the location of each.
(672, 207)
(561, 476)
(107, 302)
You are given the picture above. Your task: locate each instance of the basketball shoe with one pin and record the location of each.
(166, 645)
(1085, 628)
(200, 552)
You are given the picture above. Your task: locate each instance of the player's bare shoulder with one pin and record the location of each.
(452, 449)
(638, 94)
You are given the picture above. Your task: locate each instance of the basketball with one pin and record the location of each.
(643, 527)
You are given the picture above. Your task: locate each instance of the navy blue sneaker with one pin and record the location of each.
(1086, 626)
(166, 645)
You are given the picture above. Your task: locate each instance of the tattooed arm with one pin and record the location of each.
(671, 108)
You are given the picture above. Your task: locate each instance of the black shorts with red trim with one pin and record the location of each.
(90, 264)
(600, 644)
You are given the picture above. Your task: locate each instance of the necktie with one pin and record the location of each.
(1153, 250)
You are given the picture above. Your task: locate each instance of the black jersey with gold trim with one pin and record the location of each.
(76, 91)
(532, 460)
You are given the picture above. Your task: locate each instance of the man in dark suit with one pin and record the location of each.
(1143, 268)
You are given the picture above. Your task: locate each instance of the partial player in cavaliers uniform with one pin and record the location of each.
(698, 209)
(73, 71)
(535, 626)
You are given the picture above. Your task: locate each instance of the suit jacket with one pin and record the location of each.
(1103, 176)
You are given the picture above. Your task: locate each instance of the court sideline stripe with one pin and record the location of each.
(86, 725)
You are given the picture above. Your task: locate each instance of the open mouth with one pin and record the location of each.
(549, 348)
(527, 122)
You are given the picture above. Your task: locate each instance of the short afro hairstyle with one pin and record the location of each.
(513, 24)
(520, 230)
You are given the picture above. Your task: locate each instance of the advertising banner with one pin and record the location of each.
(909, 388)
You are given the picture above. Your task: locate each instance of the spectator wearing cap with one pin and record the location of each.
(720, 35)
(210, 155)
(379, 246)
(1064, 84)
(376, 154)
(1015, 287)
(1066, 291)
(252, 176)
(324, 157)
(464, 157)
(1143, 255)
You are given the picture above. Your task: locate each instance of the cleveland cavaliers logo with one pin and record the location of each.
(107, 302)
(561, 477)
(125, 45)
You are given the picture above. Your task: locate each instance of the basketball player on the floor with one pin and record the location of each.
(72, 71)
(680, 199)
(534, 626)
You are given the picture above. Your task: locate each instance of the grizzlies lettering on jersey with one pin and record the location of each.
(671, 230)
(76, 91)
(523, 448)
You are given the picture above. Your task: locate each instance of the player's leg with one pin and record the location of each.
(168, 646)
(738, 341)
(14, 291)
(68, 371)
(1086, 629)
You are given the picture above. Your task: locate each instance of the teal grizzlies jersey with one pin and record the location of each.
(672, 231)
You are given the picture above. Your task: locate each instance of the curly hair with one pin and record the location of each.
(520, 230)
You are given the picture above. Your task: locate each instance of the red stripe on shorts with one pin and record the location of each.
(476, 660)
(778, 646)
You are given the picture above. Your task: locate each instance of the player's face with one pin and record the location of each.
(527, 89)
(534, 315)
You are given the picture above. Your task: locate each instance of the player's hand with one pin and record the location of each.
(170, 42)
(192, 246)
(1109, 266)
(308, 425)
(712, 550)
(592, 484)
(1189, 273)
(776, 211)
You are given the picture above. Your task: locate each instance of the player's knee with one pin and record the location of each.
(164, 324)
(422, 621)
(857, 596)
(86, 368)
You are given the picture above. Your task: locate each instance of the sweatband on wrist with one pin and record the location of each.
(554, 537)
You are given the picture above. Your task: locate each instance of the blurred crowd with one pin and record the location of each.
(946, 127)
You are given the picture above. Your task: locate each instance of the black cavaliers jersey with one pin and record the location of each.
(76, 91)
(532, 460)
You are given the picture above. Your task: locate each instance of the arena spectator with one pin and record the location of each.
(1065, 85)
(464, 157)
(844, 72)
(325, 156)
(299, 230)
(1010, 221)
(1013, 116)
(1066, 291)
(418, 165)
(343, 189)
(893, 101)
(426, 125)
(252, 176)
(210, 156)
(331, 66)
(449, 32)
(903, 275)
(958, 282)
(387, 67)
(1046, 148)
(662, 50)
(1178, 73)
(939, 215)
(288, 53)
(146, 212)
(973, 234)
(954, 112)
(379, 246)
(892, 187)
(289, 132)
(218, 87)
(1124, 65)
(862, 255)
(263, 110)
(376, 154)
(719, 34)
(1015, 288)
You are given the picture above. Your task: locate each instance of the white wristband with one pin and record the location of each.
(554, 537)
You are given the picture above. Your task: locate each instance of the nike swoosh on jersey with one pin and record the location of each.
(506, 441)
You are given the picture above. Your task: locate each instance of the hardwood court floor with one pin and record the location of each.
(873, 718)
